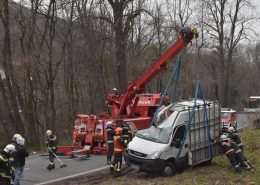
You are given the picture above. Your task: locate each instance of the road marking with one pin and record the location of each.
(72, 176)
(26, 169)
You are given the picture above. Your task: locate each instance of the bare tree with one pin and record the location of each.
(9, 88)
(121, 19)
(227, 24)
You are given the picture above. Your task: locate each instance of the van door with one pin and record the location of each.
(178, 135)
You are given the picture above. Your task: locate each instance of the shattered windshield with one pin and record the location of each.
(158, 135)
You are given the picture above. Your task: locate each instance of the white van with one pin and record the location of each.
(182, 137)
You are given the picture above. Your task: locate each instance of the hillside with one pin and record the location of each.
(219, 173)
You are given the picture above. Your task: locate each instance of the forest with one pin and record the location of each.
(62, 57)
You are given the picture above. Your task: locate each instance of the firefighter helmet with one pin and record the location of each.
(231, 129)
(20, 141)
(108, 123)
(118, 130)
(114, 89)
(16, 136)
(223, 137)
(48, 132)
(10, 148)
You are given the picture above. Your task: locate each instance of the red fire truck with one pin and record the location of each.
(228, 118)
(132, 106)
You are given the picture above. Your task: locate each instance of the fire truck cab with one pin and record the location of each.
(228, 118)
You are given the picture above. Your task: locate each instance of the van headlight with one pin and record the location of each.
(154, 155)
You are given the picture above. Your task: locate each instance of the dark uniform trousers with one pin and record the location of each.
(110, 151)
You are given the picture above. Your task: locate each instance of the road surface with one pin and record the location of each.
(35, 168)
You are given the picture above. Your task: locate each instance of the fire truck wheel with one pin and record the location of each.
(169, 169)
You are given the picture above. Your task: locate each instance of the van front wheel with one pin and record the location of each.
(169, 169)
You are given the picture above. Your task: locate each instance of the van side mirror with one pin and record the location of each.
(176, 143)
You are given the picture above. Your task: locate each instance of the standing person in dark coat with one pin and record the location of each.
(19, 160)
(110, 141)
(6, 172)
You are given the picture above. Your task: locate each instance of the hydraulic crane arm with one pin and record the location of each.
(186, 35)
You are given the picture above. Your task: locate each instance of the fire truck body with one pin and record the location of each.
(228, 118)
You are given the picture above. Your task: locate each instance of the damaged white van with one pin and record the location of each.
(181, 137)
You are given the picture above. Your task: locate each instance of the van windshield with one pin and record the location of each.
(158, 135)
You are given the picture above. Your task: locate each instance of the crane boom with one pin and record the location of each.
(186, 35)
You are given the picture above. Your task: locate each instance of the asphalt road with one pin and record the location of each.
(35, 168)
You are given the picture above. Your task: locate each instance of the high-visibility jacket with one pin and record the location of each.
(118, 144)
(5, 167)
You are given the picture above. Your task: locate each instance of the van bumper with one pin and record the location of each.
(148, 165)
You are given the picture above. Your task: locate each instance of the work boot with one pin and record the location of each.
(237, 169)
(53, 166)
(49, 167)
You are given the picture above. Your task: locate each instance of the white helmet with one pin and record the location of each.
(114, 89)
(231, 129)
(108, 123)
(10, 148)
(223, 137)
(48, 132)
(16, 136)
(20, 141)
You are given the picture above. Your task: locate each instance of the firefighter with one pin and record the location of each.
(115, 92)
(118, 152)
(51, 144)
(110, 142)
(239, 156)
(233, 135)
(229, 151)
(19, 159)
(6, 171)
(125, 135)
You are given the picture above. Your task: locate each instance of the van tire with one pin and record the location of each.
(169, 170)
